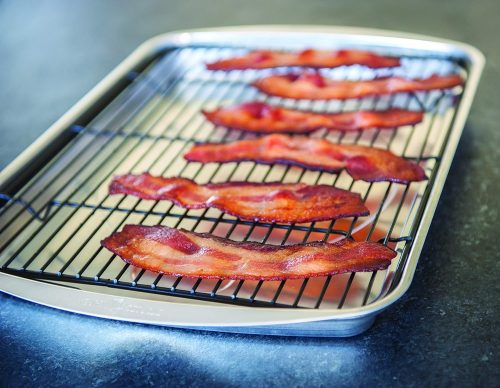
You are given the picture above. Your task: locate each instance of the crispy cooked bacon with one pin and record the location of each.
(264, 118)
(182, 253)
(263, 59)
(367, 163)
(314, 86)
(269, 202)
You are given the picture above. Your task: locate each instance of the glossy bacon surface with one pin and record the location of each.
(366, 163)
(260, 117)
(264, 59)
(182, 253)
(314, 86)
(269, 202)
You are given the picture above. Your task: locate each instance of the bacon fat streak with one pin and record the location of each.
(268, 202)
(366, 163)
(263, 59)
(182, 253)
(260, 117)
(314, 86)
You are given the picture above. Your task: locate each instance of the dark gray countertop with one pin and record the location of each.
(444, 331)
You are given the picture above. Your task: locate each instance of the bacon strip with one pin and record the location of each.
(269, 202)
(367, 163)
(260, 117)
(313, 86)
(182, 253)
(264, 59)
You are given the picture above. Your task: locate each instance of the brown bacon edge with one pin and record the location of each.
(146, 186)
(344, 256)
(342, 121)
(267, 59)
(282, 85)
(362, 165)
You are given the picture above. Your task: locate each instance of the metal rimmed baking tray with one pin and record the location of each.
(147, 112)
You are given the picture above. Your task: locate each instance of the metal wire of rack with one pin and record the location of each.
(51, 228)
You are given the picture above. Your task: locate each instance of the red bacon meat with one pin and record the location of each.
(313, 86)
(182, 253)
(260, 117)
(268, 202)
(264, 59)
(366, 163)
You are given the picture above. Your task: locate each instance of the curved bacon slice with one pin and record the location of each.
(264, 118)
(182, 253)
(367, 163)
(264, 59)
(314, 86)
(269, 202)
